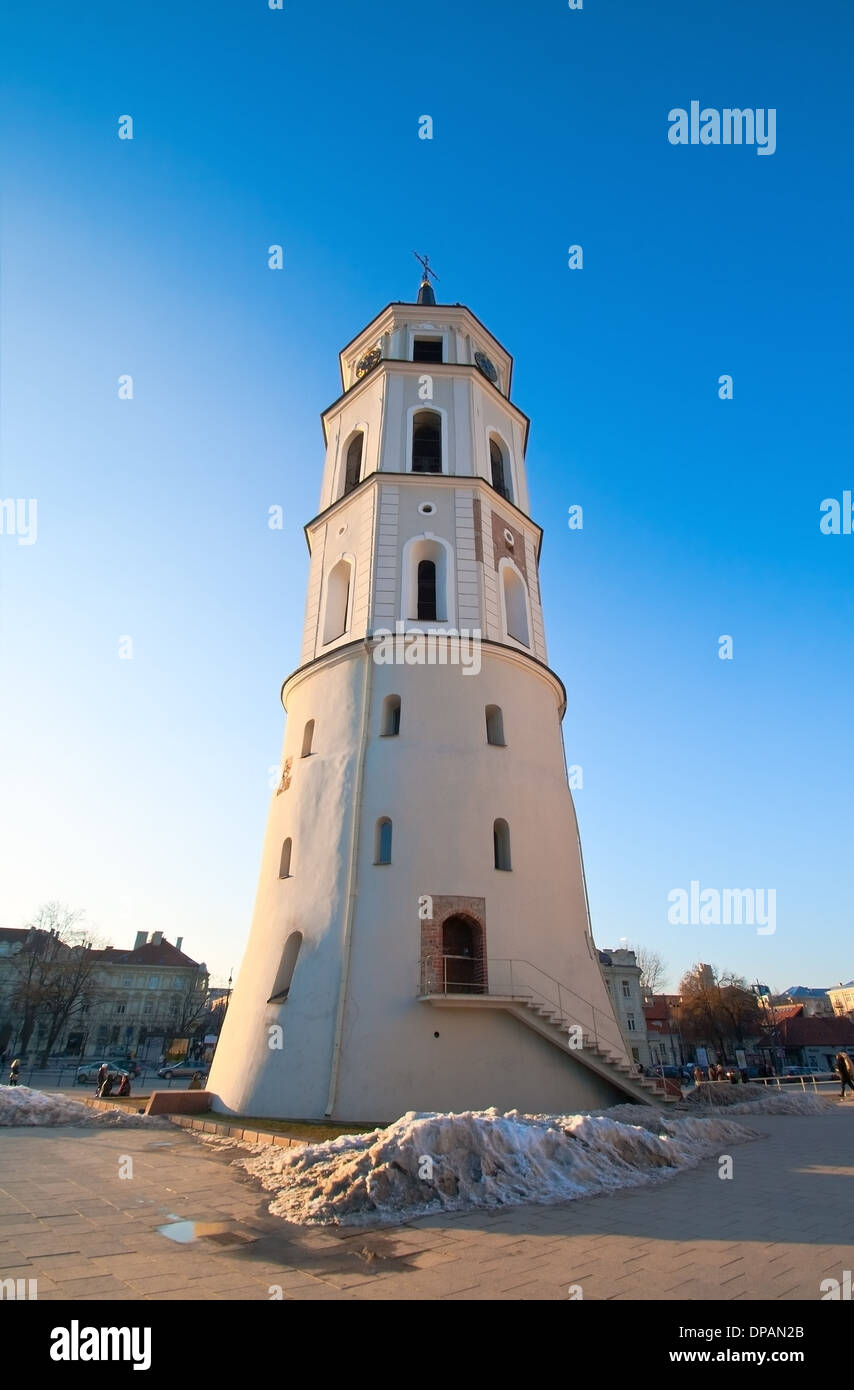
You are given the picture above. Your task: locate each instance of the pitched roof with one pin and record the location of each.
(14, 933)
(782, 1012)
(818, 1032)
(149, 954)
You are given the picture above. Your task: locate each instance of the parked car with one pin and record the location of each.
(183, 1069)
(89, 1072)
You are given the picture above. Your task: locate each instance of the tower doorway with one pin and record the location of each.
(462, 956)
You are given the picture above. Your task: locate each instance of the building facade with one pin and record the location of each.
(127, 1002)
(622, 976)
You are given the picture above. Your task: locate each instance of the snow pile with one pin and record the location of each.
(750, 1100)
(19, 1105)
(785, 1103)
(425, 1163)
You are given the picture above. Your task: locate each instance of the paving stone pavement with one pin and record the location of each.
(781, 1225)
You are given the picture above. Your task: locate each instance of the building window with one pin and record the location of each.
(337, 600)
(427, 581)
(494, 726)
(282, 986)
(353, 470)
(630, 1023)
(127, 983)
(427, 350)
(627, 989)
(285, 862)
(152, 982)
(501, 844)
(427, 591)
(500, 470)
(382, 854)
(121, 1008)
(635, 1055)
(307, 738)
(515, 604)
(426, 442)
(390, 724)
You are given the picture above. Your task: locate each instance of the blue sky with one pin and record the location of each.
(137, 789)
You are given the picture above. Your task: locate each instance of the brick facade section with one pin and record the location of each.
(516, 551)
(445, 906)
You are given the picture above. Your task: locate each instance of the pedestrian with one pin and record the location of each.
(196, 1083)
(13, 1072)
(698, 1075)
(107, 1087)
(845, 1068)
(124, 1086)
(103, 1072)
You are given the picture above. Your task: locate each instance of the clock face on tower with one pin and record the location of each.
(483, 362)
(368, 362)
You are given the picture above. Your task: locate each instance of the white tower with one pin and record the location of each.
(421, 937)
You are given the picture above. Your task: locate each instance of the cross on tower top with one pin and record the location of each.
(425, 289)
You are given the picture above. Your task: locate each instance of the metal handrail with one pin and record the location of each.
(568, 1013)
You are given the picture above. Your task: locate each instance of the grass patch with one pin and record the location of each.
(312, 1131)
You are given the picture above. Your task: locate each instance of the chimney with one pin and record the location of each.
(141, 938)
(156, 938)
(179, 941)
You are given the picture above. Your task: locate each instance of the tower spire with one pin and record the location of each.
(425, 289)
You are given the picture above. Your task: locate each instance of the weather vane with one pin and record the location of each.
(425, 261)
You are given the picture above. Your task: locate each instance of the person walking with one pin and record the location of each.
(846, 1072)
(14, 1071)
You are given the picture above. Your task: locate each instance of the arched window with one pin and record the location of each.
(307, 738)
(501, 844)
(382, 853)
(353, 469)
(500, 470)
(515, 605)
(282, 986)
(390, 723)
(427, 591)
(494, 725)
(426, 442)
(337, 600)
(427, 585)
(285, 863)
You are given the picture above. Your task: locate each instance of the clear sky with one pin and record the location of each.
(138, 789)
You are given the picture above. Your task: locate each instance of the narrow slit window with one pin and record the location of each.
(427, 591)
(383, 841)
(495, 726)
(353, 469)
(427, 442)
(307, 739)
(285, 973)
(390, 724)
(285, 861)
(501, 844)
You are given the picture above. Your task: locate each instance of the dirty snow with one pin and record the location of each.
(481, 1159)
(770, 1102)
(20, 1105)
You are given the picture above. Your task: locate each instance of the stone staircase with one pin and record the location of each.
(550, 1014)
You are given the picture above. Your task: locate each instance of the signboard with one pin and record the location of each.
(740, 1059)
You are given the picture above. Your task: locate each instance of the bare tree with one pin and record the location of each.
(56, 975)
(652, 967)
(718, 1008)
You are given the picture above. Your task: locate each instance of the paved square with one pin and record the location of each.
(782, 1224)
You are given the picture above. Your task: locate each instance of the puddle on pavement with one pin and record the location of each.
(220, 1232)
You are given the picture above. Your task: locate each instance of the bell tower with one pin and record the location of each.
(421, 937)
